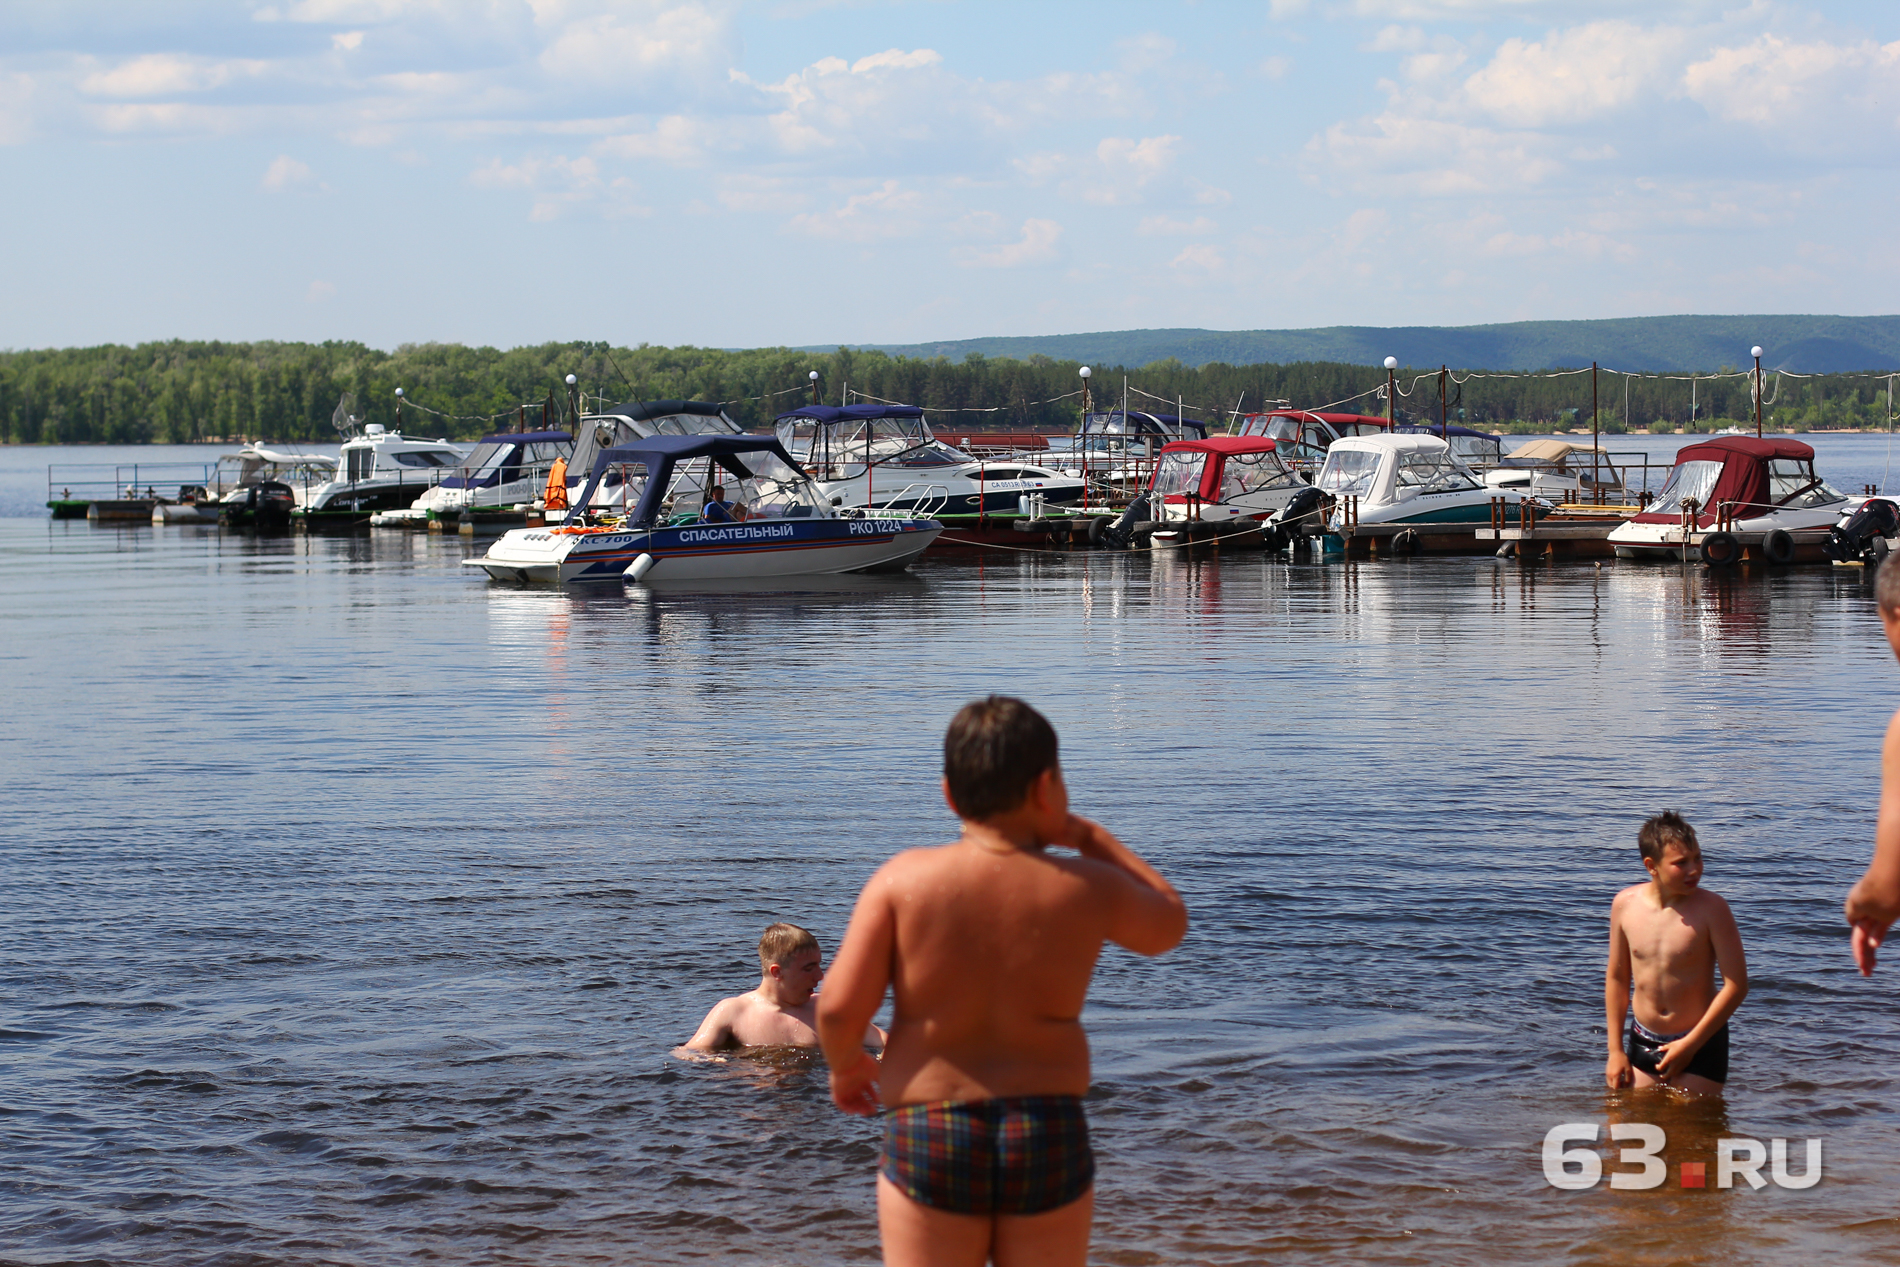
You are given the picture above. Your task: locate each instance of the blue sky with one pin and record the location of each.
(812, 171)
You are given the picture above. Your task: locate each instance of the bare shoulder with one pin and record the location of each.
(1712, 905)
(910, 865)
(1621, 903)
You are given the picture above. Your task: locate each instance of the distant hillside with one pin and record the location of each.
(1804, 344)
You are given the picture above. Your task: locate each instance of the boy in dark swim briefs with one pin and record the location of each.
(988, 944)
(1667, 938)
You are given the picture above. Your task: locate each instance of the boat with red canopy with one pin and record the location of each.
(1732, 493)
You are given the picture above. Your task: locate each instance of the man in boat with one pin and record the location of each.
(1667, 938)
(988, 944)
(1874, 903)
(720, 511)
(781, 1012)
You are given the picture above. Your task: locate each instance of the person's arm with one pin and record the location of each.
(715, 1032)
(853, 990)
(1150, 918)
(1673, 1058)
(1874, 903)
(1616, 1001)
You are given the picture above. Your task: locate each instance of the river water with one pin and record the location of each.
(352, 905)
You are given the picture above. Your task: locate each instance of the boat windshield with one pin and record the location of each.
(1478, 450)
(1688, 479)
(773, 490)
(491, 464)
(1434, 471)
(1349, 471)
(1793, 483)
(1178, 474)
(1246, 473)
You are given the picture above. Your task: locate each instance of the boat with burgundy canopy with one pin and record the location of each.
(1731, 494)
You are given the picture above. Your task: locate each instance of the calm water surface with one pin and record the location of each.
(352, 904)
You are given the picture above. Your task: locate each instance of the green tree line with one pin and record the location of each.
(179, 391)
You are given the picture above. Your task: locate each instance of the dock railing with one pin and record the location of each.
(124, 481)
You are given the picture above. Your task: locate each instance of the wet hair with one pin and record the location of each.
(1666, 829)
(994, 750)
(1887, 584)
(781, 941)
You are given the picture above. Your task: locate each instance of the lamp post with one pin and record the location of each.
(1391, 395)
(399, 410)
(1756, 353)
(573, 403)
(814, 386)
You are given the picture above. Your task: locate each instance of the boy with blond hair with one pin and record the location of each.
(1667, 938)
(987, 945)
(1874, 903)
(782, 1011)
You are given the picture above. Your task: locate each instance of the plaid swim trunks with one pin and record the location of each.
(1018, 1155)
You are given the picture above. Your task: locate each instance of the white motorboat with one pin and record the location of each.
(886, 457)
(505, 470)
(237, 473)
(774, 523)
(1730, 492)
(383, 470)
(1409, 479)
(1304, 435)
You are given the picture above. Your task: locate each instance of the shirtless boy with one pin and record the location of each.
(1874, 903)
(988, 944)
(1668, 937)
(782, 1012)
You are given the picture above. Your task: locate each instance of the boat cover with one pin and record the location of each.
(851, 413)
(527, 437)
(1744, 477)
(659, 454)
(1218, 447)
(647, 410)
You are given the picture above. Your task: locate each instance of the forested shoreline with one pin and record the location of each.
(184, 391)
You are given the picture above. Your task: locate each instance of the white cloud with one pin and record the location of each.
(286, 173)
(1038, 243)
(889, 211)
(1575, 75)
(608, 49)
(165, 75)
(1814, 91)
(1200, 257)
(347, 42)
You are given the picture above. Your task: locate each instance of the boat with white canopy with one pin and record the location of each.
(886, 457)
(1409, 479)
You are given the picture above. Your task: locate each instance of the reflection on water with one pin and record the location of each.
(354, 905)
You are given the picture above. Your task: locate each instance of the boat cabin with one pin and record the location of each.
(1221, 469)
(668, 479)
(1390, 468)
(508, 457)
(1305, 435)
(1560, 468)
(837, 442)
(1132, 432)
(638, 419)
(1740, 477)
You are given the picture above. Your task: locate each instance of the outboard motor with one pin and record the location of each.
(271, 504)
(1291, 520)
(1863, 537)
(1120, 533)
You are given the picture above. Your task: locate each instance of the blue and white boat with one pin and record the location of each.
(780, 525)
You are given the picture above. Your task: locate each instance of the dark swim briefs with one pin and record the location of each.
(1710, 1061)
(1019, 1155)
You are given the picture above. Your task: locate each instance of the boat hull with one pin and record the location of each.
(773, 548)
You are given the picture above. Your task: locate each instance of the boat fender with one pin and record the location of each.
(639, 567)
(1508, 549)
(1406, 542)
(1098, 529)
(1719, 549)
(1778, 547)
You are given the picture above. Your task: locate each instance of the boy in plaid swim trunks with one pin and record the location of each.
(988, 944)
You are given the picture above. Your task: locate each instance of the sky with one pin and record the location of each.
(795, 172)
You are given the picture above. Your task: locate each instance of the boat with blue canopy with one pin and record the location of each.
(704, 507)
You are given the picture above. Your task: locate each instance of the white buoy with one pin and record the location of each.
(638, 568)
